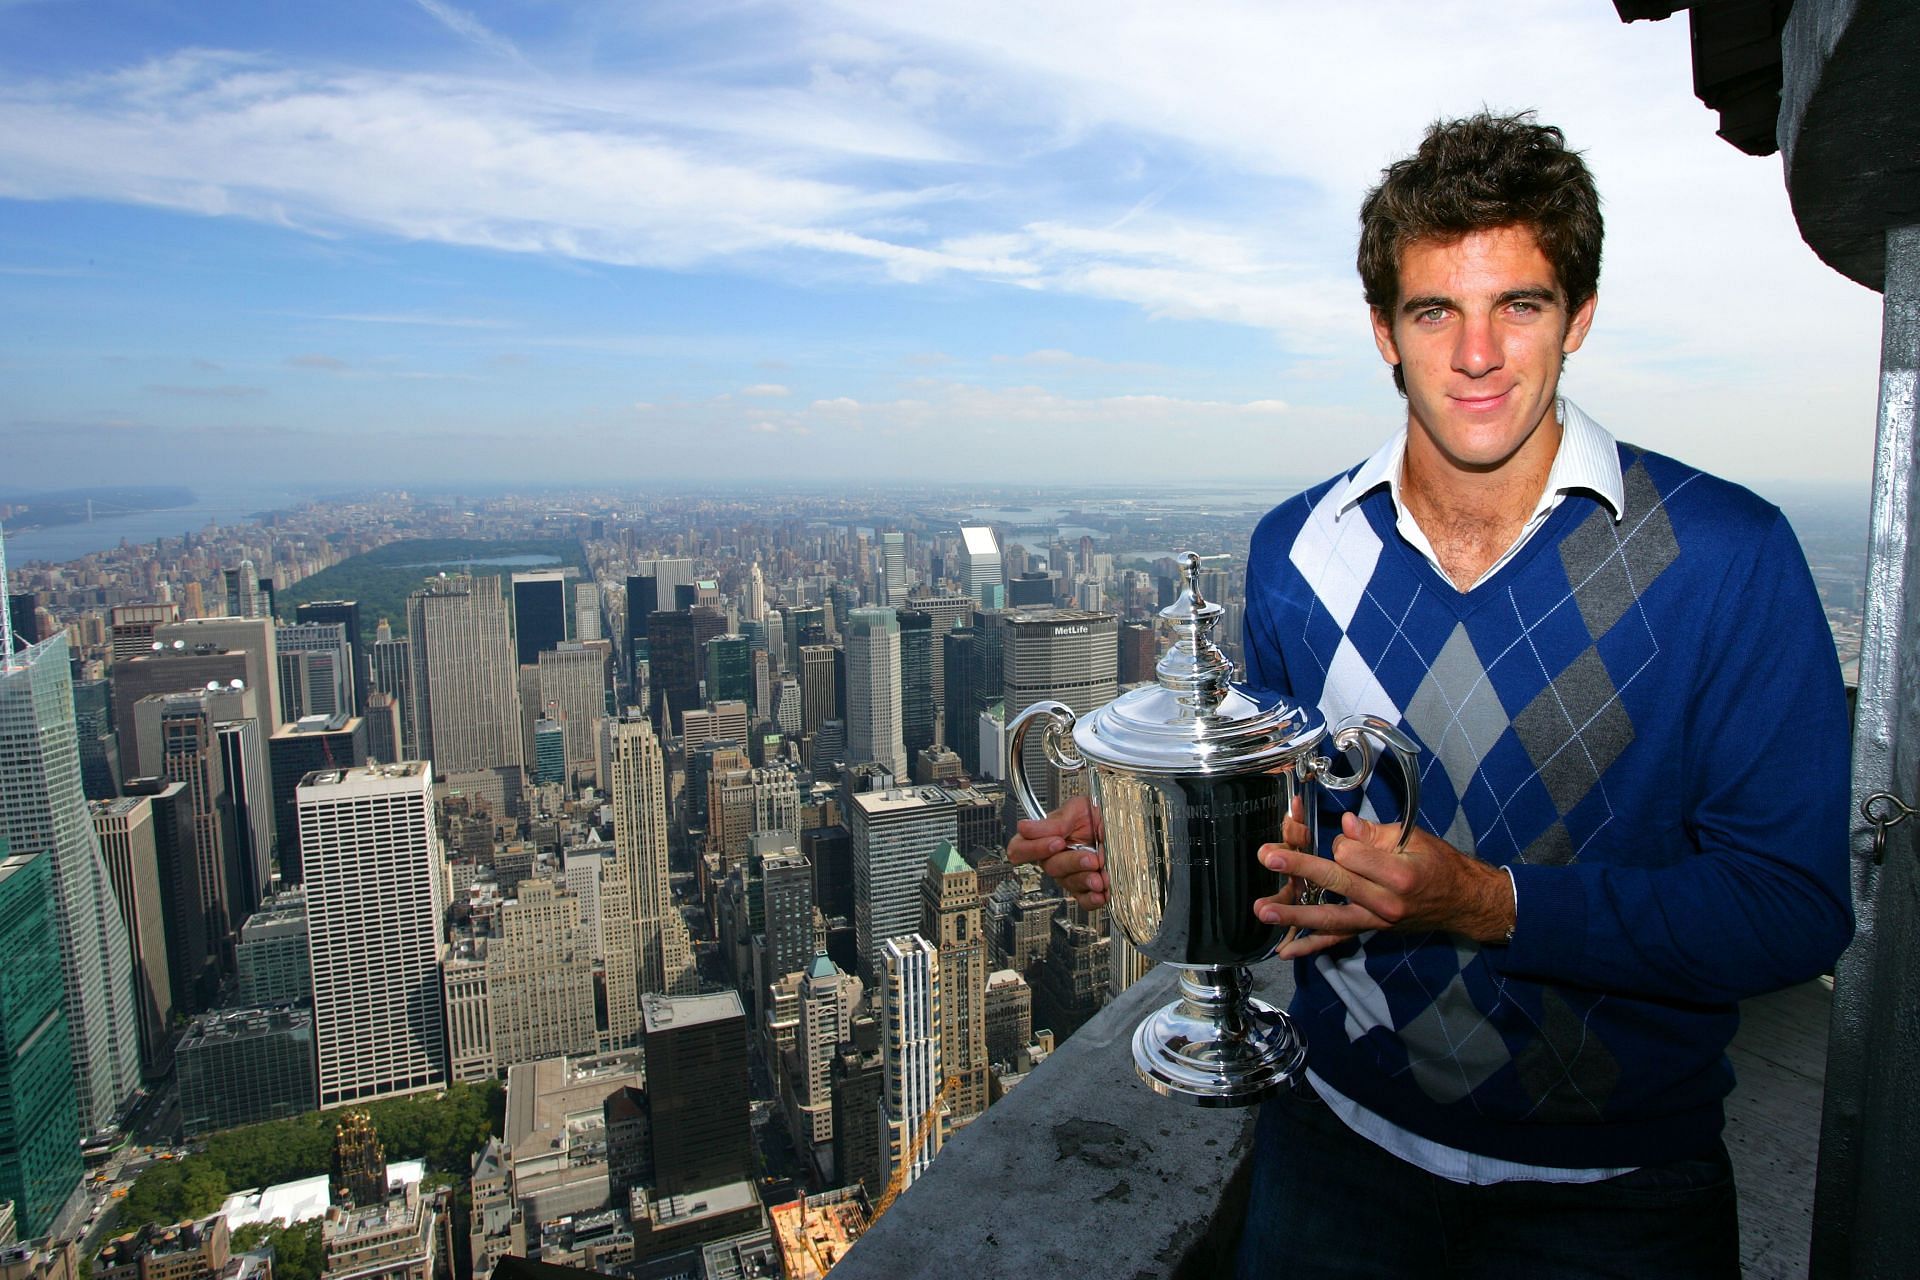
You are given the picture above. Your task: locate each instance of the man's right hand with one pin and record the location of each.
(1050, 842)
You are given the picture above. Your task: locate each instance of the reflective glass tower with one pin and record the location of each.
(39, 1115)
(43, 810)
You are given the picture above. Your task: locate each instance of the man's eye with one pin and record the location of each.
(1432, 315)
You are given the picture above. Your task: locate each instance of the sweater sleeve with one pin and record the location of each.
(1760, 900)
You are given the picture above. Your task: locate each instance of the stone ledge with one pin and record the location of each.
(1082, 1166)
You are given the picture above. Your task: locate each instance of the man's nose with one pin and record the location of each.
(1476, 351)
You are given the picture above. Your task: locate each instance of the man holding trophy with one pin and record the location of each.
(1628, 750)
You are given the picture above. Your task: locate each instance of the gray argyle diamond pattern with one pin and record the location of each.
(1455, 711)
(1452, 1047)
(1609, 567)
(1568, 1072)
(1574, 729)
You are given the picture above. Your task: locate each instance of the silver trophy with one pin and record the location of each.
(1190, 776)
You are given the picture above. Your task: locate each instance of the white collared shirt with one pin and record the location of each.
(1588, 461)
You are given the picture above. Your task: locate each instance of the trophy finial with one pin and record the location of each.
(1194, 667)
(1190, 569)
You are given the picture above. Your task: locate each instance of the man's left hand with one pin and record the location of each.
(1429, 886)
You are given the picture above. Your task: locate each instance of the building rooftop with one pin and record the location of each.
(240, 1024)
(663, 1012)
(899, 800)
(338, 722)
(303, 1199)
(371, 778)
(677, 1211)
(1053, 617)
(978, 540)
(948, 859)
(551, 1101)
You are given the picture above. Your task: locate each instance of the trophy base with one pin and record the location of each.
(1217, 1046)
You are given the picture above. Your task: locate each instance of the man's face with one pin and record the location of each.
(1479, 334)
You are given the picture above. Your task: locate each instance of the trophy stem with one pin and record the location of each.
(1217, 1046)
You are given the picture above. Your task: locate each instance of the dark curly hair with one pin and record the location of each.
(1475, 174)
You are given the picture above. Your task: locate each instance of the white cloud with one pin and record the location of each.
(769, 390)
(470, 28)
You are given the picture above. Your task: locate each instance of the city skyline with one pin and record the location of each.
(552, 243)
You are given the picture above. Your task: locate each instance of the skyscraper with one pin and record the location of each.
(980, 566)
(892, 835)
(540, 977)
(959, 719)
(187, 728)
(916, 681)
(124, 827)
(256, 638)
(827, 1000)
(674, 641)
(190, 964)
(385, 737)
(756, 594)
(39, 1116)
(947, 612)
(950, 900)
(132, 626)
(466, 710)
(661, 956)
(271, 958)
(243, 759)
(573, 690)
(375, 882)
(316, 670)
(786, 885)
(43, 810)
(816, 687)
(296, 750)
(100, 764)
(742, 802)
(393, 674)
(912, 1110)
(873, 690)
(893, 564)
(244, 597)
(549, 752)
(730, 670)
(1065, 655)
(539, 613)
(347, 614)
(586, 612)
(859, 1107)
(697, 1082)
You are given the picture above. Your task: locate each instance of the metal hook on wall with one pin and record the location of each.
(1883, 811)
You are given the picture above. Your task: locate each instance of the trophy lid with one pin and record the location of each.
(1195, 720)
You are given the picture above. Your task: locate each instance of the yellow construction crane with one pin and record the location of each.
(898, 1182)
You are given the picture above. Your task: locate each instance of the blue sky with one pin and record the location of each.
(540, 243)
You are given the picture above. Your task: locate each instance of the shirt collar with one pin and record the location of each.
(1587, 460)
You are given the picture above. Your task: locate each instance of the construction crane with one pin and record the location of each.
(898, 1182)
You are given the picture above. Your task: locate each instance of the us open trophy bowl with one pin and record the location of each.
(1188, 778)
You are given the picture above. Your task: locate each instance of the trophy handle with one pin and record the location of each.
(1356, 735)
(1057, 744)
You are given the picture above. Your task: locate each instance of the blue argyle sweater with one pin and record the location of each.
(1644, 718)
